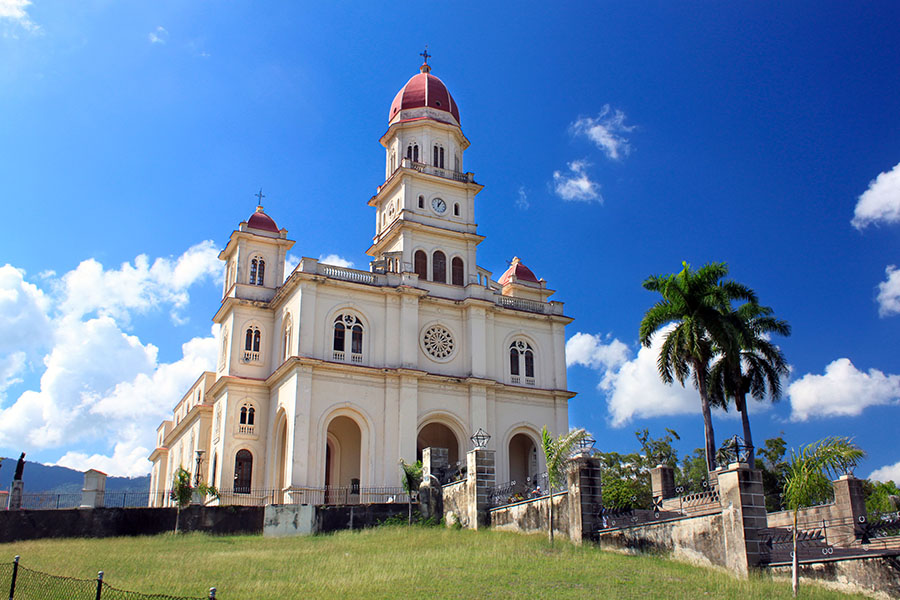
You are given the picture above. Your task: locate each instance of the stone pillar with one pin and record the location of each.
(435, 461)
(849, 497)
(585, 497)
(94, 490)
(480, 477)
(743, 516)
(662, 482)
(16, 489)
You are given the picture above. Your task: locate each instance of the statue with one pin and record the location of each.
(19, 467)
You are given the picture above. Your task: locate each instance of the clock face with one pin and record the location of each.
(439, 205)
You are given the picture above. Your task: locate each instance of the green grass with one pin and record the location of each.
(386, 562)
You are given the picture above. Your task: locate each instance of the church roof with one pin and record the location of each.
(520, 271)
(424, 90)
(260, 220)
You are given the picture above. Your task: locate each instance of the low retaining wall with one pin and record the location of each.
(18, 525)
(530, 516)
(456, 503)
(823, 512)
(305, 519)
(878, 575)
(699, 540)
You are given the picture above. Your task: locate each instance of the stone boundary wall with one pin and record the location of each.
(111, 522)
(785, 518)
(698, 540)
(283, 520)
(456, 501)
(531, 516)
(877, 576)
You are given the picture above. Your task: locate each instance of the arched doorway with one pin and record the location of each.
(343, 450)
(281, 453)
(523, 458)
(243, 472)
(438, 435)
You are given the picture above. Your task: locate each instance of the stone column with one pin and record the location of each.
(94, 491)
(480, 477)
(662, 482)
(585, 497)
(16, 489)
(743, 516)
(849, 497)
(434, 462)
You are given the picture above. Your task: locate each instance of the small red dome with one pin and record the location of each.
(521, 272)
(424, 90)
(260, 220)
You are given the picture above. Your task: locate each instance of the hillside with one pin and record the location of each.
(62, 480)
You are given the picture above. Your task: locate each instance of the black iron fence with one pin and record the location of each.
(28, 584)
(535, 486)
(51, 501)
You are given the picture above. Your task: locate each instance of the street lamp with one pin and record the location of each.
(197, 472)
(586, 444)
(480, 438)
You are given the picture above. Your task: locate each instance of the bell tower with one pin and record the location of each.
(425, 209)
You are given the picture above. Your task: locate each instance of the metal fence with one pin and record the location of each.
(28, 584)
(52, 501)
(313, 495)
(514, 491)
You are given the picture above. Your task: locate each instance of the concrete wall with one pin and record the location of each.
(456, 503)
(111, 522)
(878, 576)
(699, 540)
(303, 519)
(531, 516)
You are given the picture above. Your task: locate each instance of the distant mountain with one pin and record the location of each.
(62, 480)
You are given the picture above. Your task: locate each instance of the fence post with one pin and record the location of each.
(212, 593)
(12, 585)
(99, 584)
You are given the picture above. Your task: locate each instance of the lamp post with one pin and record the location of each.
(197, 472)
(586, 446)
(480, 439)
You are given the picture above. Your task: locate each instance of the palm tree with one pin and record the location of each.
(556, 453)
(698, 302)
(754, 367)
(808, 478)
(411, 477)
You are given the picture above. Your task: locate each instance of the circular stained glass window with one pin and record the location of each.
(438, 342)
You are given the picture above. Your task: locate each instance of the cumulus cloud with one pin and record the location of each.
(137, 288)
(607, 130)
(843, 390)
(889, 293)
(337, 261)
(594, 352)
(16, 11)
(158, 35)
(887, 473)
(98, 382)
(880, 203)
(575, 184)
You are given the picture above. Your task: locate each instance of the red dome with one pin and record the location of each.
(260, 220)
(521, 272)
(424, 90)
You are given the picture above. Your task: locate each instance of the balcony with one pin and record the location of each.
(355, 358)
(250, 357)
(246, 429)
(437, 171)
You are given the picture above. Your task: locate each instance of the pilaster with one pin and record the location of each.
(480, 477)
(585, 497)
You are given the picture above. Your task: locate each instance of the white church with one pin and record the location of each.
(327, 378)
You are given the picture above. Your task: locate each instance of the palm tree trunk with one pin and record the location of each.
(795, 576)
(550, 498)
(708, 433)
(748, 437)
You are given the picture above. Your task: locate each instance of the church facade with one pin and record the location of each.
(327, 378)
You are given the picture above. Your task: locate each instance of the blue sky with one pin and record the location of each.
(615, 140)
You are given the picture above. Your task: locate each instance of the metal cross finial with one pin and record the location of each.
(259, 196)
(425, 54)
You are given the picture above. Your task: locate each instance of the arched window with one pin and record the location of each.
(248, 416)
(456, 209)
(251, 344)
(340, 351)
(439, 267)
(261, 274)
(257, 271)
(412, 152)
(215, 464)
(253, 272)
(438, 156)
(243, 472)
(421, 264)
(521, 359)
(456, 271)
(421, 201)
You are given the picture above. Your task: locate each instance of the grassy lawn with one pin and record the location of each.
(386, 562)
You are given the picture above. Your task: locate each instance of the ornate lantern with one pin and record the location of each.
(480, 438)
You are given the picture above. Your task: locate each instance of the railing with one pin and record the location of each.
(51, 501)
(345, 274)
(534, 306)
(246, 429)
(519, 491)
(432, 170)
(338, 356)
(250, 356)
(355, 357)
(830, 539)
(313, 495)
(705, 501)
(529, 381)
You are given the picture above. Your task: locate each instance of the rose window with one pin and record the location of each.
(438, 342)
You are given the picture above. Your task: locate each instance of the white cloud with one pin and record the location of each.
(16, 11)
(337, 261)
(842, 391)
(887, 473)
(522, 201)
(129, 458)
(290, 263)
(880, 203)
(590, 351)
(24, 324)
(158, 35)
(139, 287)
(607, 131)
(576, 184)
(889, 293)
